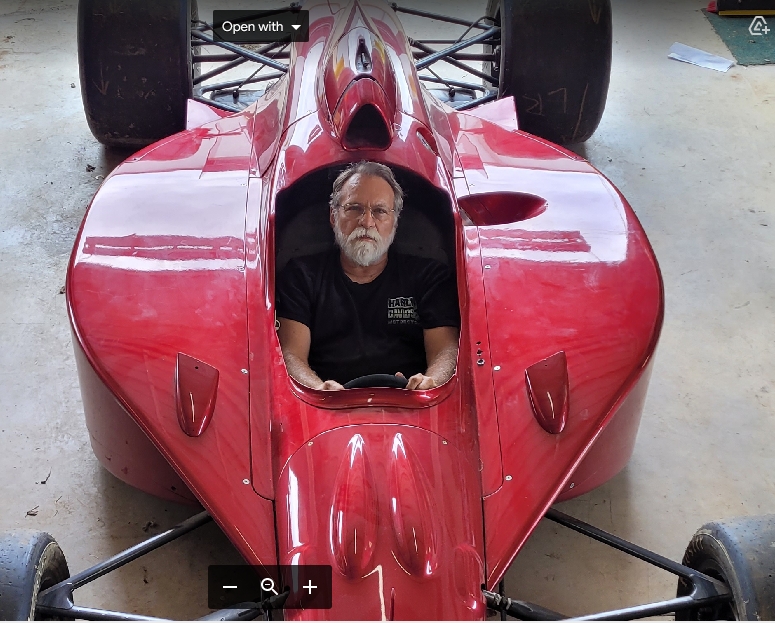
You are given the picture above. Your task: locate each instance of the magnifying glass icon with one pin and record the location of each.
(267, 584)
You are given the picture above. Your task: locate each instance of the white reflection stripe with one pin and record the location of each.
(145, 264)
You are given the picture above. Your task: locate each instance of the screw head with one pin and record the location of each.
(573, 484)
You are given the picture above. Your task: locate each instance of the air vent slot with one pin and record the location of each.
(367, 130)
(502, 208)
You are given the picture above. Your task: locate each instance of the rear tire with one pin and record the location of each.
(555, 59)
(739, 553)
(30, 562)
(136, 68)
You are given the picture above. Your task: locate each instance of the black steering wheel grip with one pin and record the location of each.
(377, 380)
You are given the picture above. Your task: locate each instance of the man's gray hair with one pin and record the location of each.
(374, 169)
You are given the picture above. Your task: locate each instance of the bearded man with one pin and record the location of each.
(364, 308)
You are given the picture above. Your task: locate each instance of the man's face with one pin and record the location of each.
(365, 223)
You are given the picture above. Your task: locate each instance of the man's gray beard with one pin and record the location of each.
(363, 252)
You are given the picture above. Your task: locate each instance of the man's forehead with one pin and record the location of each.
(372, 184)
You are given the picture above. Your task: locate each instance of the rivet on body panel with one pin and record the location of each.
(245, 481)
(244, 371)
(309, 443)
(496, 368)
(487, 266)
(480, 362)
(508, 477)
(444, 442)
(573, 484)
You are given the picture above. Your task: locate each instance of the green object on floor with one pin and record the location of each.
(748, 49)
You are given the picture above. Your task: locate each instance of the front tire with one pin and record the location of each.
(555, 59)
(741, 554)
(136, 68)
(30, 562)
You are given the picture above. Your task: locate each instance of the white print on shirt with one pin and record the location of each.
(402, 310)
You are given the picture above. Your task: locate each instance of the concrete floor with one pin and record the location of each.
(692, 150)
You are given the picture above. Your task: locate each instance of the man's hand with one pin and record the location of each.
(330, 386)
(441, 353)
(418, 381)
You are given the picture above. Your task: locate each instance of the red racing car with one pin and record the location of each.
(411, 504)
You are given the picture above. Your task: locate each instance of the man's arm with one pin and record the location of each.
(295, 339)
(441, 355)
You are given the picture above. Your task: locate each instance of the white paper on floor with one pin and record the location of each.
(688, 54)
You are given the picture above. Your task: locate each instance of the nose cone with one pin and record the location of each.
(359, 85)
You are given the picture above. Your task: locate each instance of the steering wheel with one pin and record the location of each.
(377, 380)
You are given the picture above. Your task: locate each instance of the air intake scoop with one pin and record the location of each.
(359, 86)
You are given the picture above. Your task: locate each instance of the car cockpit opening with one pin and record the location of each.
(374, 317)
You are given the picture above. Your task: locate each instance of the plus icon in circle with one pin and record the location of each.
(309, 586)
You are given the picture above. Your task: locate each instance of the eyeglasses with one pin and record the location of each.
(356, 211)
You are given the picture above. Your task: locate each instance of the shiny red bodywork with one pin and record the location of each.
(415, 498)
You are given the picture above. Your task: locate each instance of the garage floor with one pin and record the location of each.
(692, 150)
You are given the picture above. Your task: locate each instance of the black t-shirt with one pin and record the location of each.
(369, 328)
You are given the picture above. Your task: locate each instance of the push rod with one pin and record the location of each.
(650, 610)
(262, 50)
(454, 83)
(437, 41)
(461, 45)
(463, 56)
(134, 552)
(215, 58)
(57, 600)
(474, 103)
(475, 72)
(705, 590)
(251, 56)
(219, 70)
(233, 83)
(436, 16)
(624, 546)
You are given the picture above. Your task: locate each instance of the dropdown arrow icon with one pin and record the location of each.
(295, 26)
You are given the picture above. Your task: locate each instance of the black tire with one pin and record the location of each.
(740, 553)
(555, 59)
(30, 562)
(135, 67)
